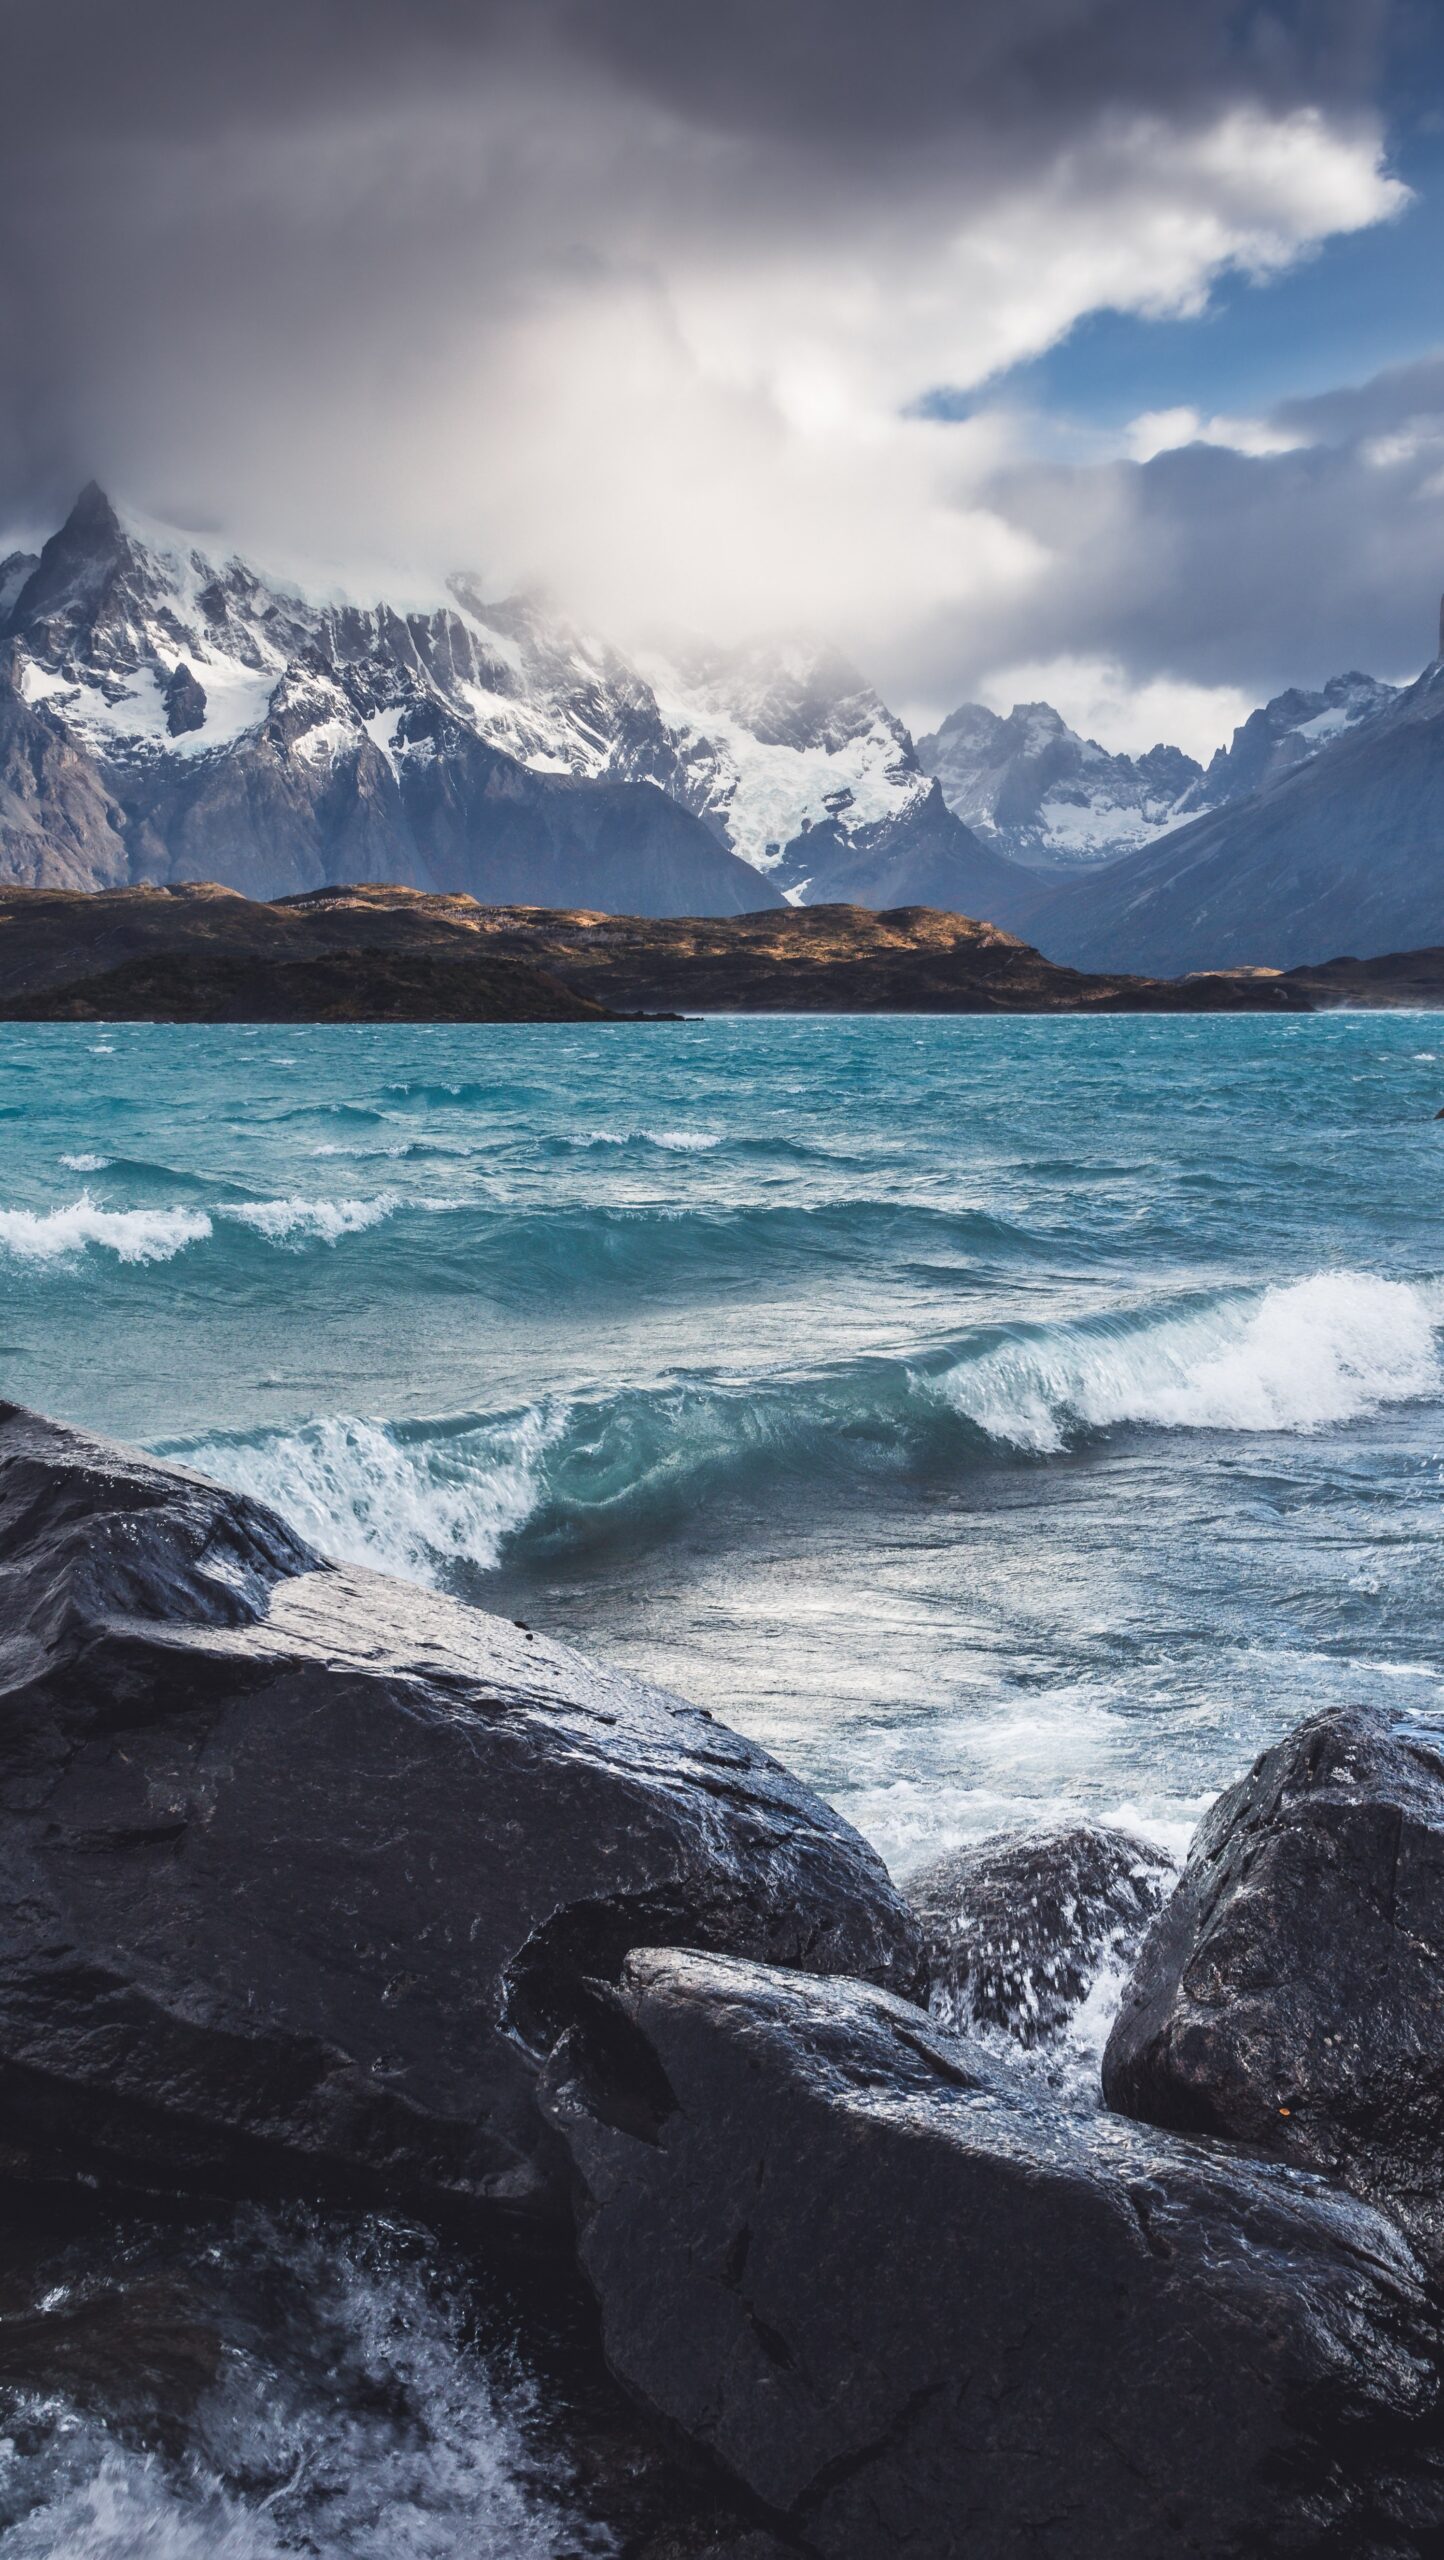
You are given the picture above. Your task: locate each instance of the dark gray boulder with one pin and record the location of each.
(915, 2311)
(298, 1865)
(1291, 1995)
(1018, 1930)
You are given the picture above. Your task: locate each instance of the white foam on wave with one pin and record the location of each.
(1302, 1355)
(304, 1221)
(681, 1142)
(132, 1235)
(359, 1491)
(85, 1163)
(407, 2450)
(156, 1235)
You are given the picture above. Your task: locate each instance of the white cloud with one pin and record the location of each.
(1101, 701)
(1404, 445)
(1167, 430)
(667, 374)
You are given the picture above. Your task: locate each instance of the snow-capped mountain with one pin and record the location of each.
(1038, 792)
(780, 736)
(165, 716)
(1044, 796)
(1286, 732)
(1339, 850)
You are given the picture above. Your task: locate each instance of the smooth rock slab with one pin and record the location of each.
(1018, 1930)
(916, 2312)
(296, 1863)
(1292, 1993)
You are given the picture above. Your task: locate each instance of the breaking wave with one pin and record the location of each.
(132, 1235)
(409, 1500)
(159, 1234)
(1312, 1352)
(298, 1221)
(424, 1498)
(523, 1253)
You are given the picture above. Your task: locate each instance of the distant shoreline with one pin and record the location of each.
(201, 953)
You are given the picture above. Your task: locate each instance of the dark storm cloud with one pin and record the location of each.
(839, 73)
(483, 276)
(848, 74)
(1226, 568)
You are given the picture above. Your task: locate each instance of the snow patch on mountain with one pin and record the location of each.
(1033, 788)
(1285, 733)
(776, 737)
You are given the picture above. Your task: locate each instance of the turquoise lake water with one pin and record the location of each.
(997, 1418)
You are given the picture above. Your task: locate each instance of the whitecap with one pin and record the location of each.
(363, 1491)
(682, 1141)
(85, 1163)
(301, 1221)
(1295, 1358)
(132, 1235)
(674, 1141)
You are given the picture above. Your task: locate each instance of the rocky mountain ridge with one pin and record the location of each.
(1036, 791)
(165, 717)
(201, 953)
(1340, 852)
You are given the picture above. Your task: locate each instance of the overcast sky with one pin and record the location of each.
(1072, 347)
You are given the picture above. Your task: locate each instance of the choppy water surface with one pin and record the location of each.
(1000, 1419)
(996, 1418)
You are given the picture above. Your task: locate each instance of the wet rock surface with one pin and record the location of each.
(296, 1863)
(1021, 1930)
(914, 2311)
(1291, 1995)
(441, 2113)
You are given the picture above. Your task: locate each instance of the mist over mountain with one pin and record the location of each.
(168, 716)
(164, 716)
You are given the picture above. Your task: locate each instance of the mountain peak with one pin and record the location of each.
(92, 518)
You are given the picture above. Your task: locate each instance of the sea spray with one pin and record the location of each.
(1307, 1353)
(404, 1500)
(352, 2417)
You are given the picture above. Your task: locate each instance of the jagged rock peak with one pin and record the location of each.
(92, 518)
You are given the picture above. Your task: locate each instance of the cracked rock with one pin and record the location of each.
(914, 2310)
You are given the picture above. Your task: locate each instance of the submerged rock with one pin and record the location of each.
(1292, 1993)
(1019, 1931)
(914, 2310)
(298, 1865)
